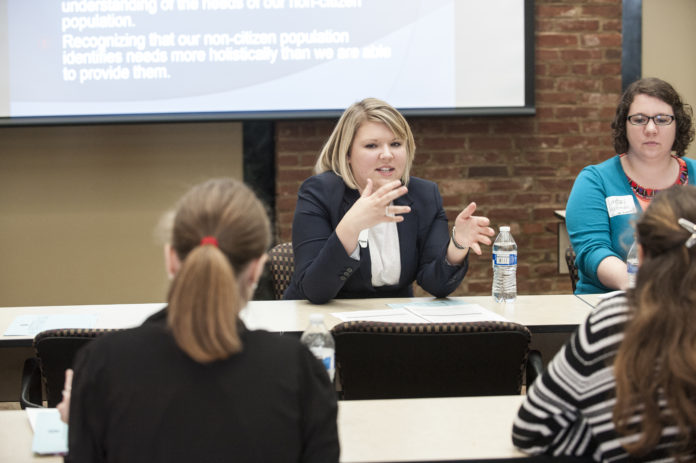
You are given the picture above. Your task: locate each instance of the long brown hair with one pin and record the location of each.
(657, 357)
(206, 295)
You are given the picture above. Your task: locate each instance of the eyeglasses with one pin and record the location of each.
(642, 119)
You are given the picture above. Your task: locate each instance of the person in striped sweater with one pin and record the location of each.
(624, 386)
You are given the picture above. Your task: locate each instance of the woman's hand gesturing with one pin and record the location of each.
(470, 231)
(369, 210)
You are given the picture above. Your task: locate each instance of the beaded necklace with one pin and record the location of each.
(649, 193)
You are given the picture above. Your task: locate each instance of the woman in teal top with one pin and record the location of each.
(651, 122)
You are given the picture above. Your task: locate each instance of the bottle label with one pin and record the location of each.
(326, 356)
(500, 258)
(632, 268)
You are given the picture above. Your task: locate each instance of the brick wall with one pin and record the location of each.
(517, 169)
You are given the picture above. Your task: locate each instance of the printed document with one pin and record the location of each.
(424, 312)
(30, 325)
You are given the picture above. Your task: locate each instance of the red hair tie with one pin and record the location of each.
(209, 240)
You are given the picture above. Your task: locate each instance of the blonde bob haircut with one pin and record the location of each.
(335, 155)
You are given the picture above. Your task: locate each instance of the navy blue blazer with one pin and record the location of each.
(323, 269)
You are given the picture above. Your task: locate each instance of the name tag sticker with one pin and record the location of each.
(620, 205)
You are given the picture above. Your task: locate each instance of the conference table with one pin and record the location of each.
(441, 429)
(550, 318)
(375, 430)
(540, 313)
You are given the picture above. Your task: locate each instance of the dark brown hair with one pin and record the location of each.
(206, 295)
(663, 91)
(657, 357)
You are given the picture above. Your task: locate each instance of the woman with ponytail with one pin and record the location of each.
(192, 383)
(624, 387)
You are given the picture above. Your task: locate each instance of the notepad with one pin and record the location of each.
(50, 433)
(30, 325)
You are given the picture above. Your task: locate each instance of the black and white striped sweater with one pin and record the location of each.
(568, 410)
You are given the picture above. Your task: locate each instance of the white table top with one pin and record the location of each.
(539, 313)
(16, 437)
(546, 313)
(108, 316)
(427, 429)
(371, 430)
(591, 299)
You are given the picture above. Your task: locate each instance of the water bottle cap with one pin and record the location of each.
(316, 318)
(505, 228)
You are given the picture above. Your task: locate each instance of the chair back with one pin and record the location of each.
(380, 360)
(55, 352)
(282, 265)
(572, 269)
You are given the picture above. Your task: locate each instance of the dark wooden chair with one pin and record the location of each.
(381, 360)
(55, 351)
(572, 269)
(282, 266)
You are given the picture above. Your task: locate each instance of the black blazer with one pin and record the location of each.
(137, 397)
(323, 269)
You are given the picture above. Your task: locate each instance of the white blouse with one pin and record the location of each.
(385, 253)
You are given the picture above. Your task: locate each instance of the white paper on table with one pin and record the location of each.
(400, 315)
(33, 412)
(50, 433)
(456, 313)
(433, 303)
(30, 325)
(428, 312)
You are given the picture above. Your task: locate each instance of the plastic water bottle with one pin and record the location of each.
(504, 267)
(632, 265)
(319, 340)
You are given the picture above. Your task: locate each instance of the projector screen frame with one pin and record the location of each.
(529, 108)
